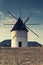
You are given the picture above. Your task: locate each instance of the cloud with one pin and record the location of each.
(1, 14)
(3, 29)
(36, 11)
(6, 19)
(4, 34)
(41, 26)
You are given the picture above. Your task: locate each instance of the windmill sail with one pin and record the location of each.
(8, 24)
(20, 12)
(12, 15)
(33, 24)
(24, 23)
(33, 32)
(28, 18)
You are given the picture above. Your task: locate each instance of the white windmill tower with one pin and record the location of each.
(20, 32)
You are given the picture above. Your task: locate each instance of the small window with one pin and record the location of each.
(20, 44)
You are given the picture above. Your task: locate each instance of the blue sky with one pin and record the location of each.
(27, 6)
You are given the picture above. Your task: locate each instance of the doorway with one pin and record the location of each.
(20, 44)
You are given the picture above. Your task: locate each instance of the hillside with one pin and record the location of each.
(7, 43)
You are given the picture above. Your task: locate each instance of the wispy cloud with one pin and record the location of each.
(36, 11)
(6, 19)
(1, 14)
(4, 34)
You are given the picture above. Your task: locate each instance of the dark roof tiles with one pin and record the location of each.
(19, 26)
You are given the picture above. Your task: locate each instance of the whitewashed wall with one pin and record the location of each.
(19, 36)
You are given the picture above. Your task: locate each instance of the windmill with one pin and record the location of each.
(19, 31)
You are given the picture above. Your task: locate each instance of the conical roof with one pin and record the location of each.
(19, 26)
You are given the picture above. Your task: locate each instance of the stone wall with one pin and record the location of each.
(21, 56)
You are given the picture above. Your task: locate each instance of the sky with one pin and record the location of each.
(26, 6)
